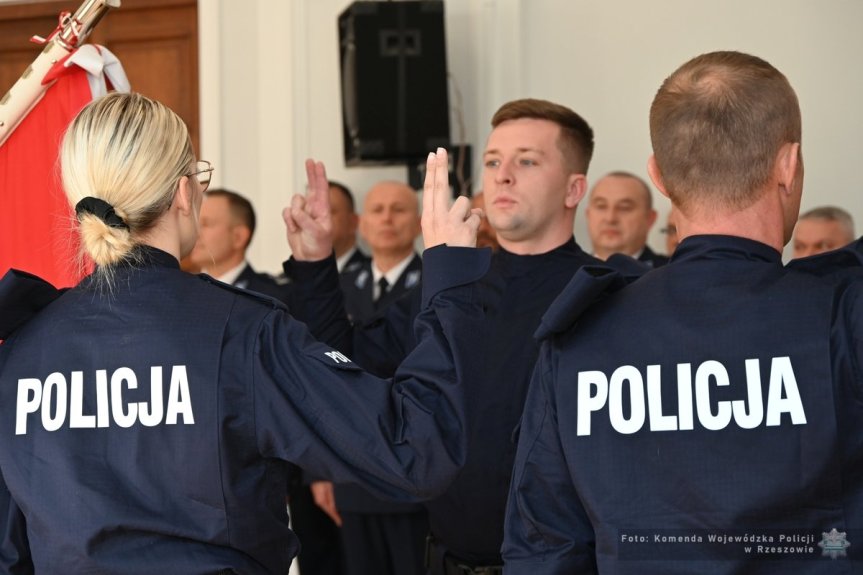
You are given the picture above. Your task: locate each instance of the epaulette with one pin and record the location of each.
(280, 279)
(589, 285)
(22, 296)
(628, 266)
(837, 262)
(263, 298)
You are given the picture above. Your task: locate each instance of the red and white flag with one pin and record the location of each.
(36, 223)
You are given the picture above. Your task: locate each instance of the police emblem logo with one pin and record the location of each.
(337, 356)
(412, 278)
(362, 278)
(834, 544)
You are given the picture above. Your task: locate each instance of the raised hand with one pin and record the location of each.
(454, 226)
(308, 221)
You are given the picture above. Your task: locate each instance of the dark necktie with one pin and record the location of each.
(383, 287)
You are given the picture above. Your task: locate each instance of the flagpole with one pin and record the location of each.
(71, 32)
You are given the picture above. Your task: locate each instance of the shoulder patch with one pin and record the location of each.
(264, 299)
(840, 261)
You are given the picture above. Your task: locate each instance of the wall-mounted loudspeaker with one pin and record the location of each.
(394, 81)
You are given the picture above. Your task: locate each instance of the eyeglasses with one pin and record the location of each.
(203, 172)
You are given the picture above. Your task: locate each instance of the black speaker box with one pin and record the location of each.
(394, 81)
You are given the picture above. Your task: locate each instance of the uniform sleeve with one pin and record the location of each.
(402, 438)
(847, 338)
(14, 548)
(546, 531)
(316, 299)
(383, 342)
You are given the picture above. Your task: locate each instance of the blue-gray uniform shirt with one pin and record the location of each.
(145, 428)
(706, 419)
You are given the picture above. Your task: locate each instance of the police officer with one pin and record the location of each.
(619, 217)
(535, 161)
(146, 414)
(227, 226)
(705, 419)
(380, 537)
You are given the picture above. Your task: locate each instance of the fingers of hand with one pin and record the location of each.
(289, 220)
(441, 181)
(428, 185)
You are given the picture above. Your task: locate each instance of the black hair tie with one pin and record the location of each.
(102, 210)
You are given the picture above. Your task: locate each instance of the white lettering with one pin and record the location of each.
(179, 399)
(684, 396)
(625, 391)
(658, 421)
(636, 400)
(29, 399)
(706, 371)
(152, 415)
(56, 398)
(102, 410)
(587, 402)
(76, 410)
(337, 356)
(121, 418)
(53, 382)
(755, 415)
(782, 377)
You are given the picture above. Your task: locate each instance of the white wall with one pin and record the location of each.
(271, 95)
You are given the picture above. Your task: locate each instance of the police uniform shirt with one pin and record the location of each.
(145, 427)
(718, 395)
(364, 297)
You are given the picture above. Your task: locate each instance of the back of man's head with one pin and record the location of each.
(576, 135)
(717, 125)
(821, 230)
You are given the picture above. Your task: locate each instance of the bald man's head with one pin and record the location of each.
(390, 221)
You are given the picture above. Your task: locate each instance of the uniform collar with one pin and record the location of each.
(517, 263)
(153, 257)
(724, 247)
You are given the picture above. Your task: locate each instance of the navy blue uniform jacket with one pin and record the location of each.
(145, 429)
(719, 395)
(468, 518)
(264, 283)
(357, 286)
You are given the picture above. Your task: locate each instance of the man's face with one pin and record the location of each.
(618, 216)
(219, 236)
(815, 235)
(526, 183)
(390, 221)
(344, 222)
